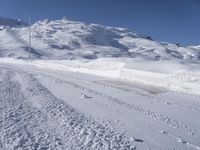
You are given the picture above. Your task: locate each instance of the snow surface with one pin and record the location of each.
(168, 75)
(48, 108)
(90, 86)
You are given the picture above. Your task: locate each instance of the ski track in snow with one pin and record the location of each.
(49, 123)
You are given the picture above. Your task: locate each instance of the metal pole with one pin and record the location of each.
(29, 41)
(1, 49)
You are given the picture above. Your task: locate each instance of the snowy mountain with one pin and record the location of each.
(65, 39)
(195, 50)
(96, 87)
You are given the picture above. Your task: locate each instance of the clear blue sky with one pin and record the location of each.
(176, 21)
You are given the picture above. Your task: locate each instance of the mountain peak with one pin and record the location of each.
(66, 39)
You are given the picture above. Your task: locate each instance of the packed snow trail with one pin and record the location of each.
(78, 111)
(33, 118)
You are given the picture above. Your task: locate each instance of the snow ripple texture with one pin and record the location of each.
(48, 122)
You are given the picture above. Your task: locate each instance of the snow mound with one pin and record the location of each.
(180, 78)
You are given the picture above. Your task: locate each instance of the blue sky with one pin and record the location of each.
(176, 21)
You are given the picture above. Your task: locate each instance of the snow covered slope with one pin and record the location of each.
(65, 39)
(99, 87)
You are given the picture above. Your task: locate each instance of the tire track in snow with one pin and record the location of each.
(86, 91)
(21, 125)
(76, 130)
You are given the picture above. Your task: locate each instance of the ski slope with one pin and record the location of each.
(53, 108)
(89, 86)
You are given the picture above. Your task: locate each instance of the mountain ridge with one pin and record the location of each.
(65, 39)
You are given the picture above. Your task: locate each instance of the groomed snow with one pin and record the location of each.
(81, 105)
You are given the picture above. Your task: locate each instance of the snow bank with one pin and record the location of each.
(168, 75)
(186, 82)
(96, 67)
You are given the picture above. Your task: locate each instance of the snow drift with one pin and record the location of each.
(176, 77)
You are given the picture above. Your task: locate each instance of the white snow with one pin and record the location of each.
(90, 86)
(65, 39)
(93, 112)
(168, 75)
